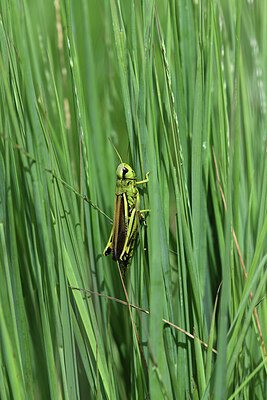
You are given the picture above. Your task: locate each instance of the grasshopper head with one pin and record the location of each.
(124, 171)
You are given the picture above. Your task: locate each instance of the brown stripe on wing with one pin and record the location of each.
(120, 227)
(127, 257)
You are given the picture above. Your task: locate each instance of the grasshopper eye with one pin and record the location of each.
(124, 171)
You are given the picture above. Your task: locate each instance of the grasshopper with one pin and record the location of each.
(126, 216)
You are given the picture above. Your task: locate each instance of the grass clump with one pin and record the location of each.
(180, 88)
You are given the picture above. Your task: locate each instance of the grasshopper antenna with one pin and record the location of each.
(118, 154)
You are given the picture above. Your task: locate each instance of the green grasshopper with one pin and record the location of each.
(126, 215)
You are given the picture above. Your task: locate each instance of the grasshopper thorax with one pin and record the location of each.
(124, 171)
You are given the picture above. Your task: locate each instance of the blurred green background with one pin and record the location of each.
(180, 89)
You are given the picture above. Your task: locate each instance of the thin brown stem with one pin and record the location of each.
(143, 311)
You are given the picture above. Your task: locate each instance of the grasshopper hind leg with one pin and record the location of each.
(108, 247)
